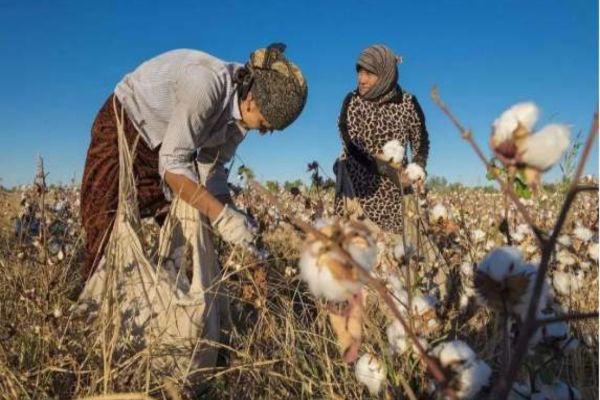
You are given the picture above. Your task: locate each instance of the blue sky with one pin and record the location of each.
(61, 59)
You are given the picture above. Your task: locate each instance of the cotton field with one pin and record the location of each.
(290, 335)
(485, 294)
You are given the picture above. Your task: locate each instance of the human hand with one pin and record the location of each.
(234, 226)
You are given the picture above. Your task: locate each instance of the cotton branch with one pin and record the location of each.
(374, 283)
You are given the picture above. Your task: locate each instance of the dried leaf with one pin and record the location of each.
(348, 328)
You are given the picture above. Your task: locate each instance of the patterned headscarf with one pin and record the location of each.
(278, 85)
(381, 61)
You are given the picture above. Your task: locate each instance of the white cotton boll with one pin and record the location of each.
(478, 235)
(326, 271)
(489, 245)
(422, 303)
(467, 269)
(562, 391)
(365, 257)
(400, 252)
(521, 232)
(438, 212)
(360, 244)
(521, 308)
(564, 240)
(504, 126)
(414, 172)
(399, 293)
(393, 151)
(395, 283)
(322, 283)
(473, 378)
(57, 313)
(565, 258)
(454, 352)
(397, 338)
(585, 266)
(518, 237)
(566, 283)
(501, 262)
(370, 372)
(542, 150)
(593, 251)
(582, 233)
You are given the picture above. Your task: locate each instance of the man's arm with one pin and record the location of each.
(194, 194)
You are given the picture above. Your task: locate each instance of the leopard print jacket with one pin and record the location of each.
(370, 125)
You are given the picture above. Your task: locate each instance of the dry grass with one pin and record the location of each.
(280, 345)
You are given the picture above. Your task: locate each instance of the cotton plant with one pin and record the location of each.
(403, 252)
(438, 213)
(393, 152)
(467, 374)
(505, 282)
(326, 271)
(421, 309)
(330, 275)
(424, 314)
(515, 143)
(468, 292)
(582, 233)
(566, 283)
(521, 233)
(370, 371)
(415, 173)
(478, 236)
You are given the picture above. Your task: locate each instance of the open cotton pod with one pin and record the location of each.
(466, 373)
(397, 338)
(415, 173)
(514, 142)
(503, 280)
(370, 371)
(542, 150)
(438, 213)
(512, 126)
(393, 152)
(325, 269)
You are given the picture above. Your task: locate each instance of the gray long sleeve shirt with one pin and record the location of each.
(185, 102)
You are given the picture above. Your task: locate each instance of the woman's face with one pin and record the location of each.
(366, 80)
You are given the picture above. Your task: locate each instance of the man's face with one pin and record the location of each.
(366, 80)
(252, 118)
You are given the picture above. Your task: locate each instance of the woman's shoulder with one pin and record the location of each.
(350, 95)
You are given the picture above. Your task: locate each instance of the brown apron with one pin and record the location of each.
(100, 184)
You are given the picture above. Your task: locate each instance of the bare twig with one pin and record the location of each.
(530, 325)
(468, 136)
(568, 317)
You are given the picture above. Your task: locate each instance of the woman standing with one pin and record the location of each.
(376, 112)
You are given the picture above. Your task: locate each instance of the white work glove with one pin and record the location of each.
(234, 226)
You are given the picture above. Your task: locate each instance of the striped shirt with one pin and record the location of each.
(185, 102)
